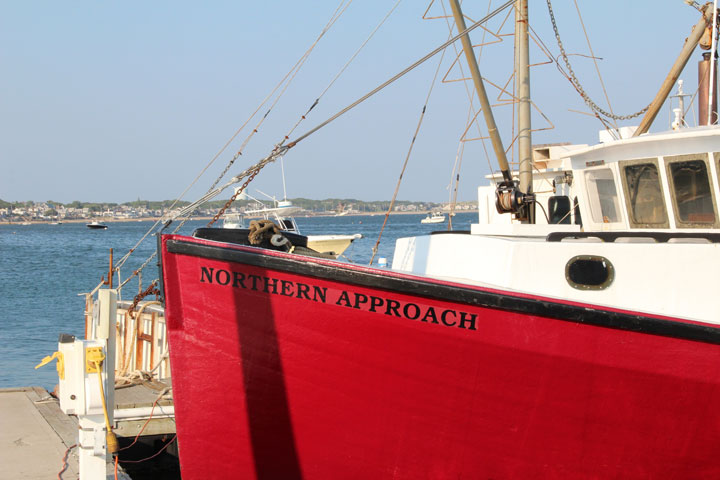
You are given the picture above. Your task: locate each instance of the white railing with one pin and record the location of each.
(141, 340)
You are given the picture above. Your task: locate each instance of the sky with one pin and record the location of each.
(119, 101)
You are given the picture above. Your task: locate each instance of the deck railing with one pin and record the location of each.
(141, 346)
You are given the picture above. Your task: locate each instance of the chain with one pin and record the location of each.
(233, 198)
(151, 290)
(229, 165)
(250, 173)
(576, 83)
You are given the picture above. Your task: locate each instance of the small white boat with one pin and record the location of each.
(331, 244)
(435, 217)
(233, 220)
(334, 245)
(96, 226)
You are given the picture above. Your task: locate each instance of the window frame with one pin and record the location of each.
(669, 160)
(593, 197)
(609, 269)
(626, 192)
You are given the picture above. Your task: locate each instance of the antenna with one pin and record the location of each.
(679, 120)
(282, 169)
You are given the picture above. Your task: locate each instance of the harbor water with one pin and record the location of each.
(45, 270)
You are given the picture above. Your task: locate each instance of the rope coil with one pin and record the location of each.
(268, 231)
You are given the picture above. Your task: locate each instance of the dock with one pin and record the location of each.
(38, 440)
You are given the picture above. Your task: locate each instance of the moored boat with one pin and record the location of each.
(434, 217)
(580, 343)
(96, 225)
(329, 244)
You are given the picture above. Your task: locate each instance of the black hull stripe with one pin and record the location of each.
(469, 296)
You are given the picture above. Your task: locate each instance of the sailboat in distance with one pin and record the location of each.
(573, 332)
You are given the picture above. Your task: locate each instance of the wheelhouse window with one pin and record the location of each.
(602, 195)
(691, 191)
(644, 195)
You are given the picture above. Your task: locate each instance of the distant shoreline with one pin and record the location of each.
(155, 219)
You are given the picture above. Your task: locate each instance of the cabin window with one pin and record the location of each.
(559, 209)
(603, 197)
(644, 195)
(691, 192)
(589, 272)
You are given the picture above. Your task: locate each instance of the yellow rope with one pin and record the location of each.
(111, 438)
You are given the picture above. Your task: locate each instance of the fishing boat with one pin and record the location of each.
(573, 332)
(433, 217)
(96, 225)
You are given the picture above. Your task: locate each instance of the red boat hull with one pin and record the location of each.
(292, 367)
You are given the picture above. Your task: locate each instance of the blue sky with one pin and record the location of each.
(115, 101)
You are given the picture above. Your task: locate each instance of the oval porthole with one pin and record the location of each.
(589, 272)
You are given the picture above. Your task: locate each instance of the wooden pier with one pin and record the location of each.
(36, 436)
(38, 440)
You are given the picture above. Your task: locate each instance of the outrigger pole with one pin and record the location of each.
(481, 93)
(508, 197)
(677, 68)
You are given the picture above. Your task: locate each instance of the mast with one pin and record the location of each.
(523, 98)
(482, 95)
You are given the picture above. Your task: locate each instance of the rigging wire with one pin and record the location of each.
(401, 74)
(458, 160)
(407, 157)
(594, 59)
(342, 6)
(291, 74)
(302, 118)
(280, 149)
(576, 83)
(342, 70)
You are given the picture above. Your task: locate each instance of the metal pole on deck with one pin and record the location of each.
(712, 84)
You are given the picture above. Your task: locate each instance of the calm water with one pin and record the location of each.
(43, 268)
